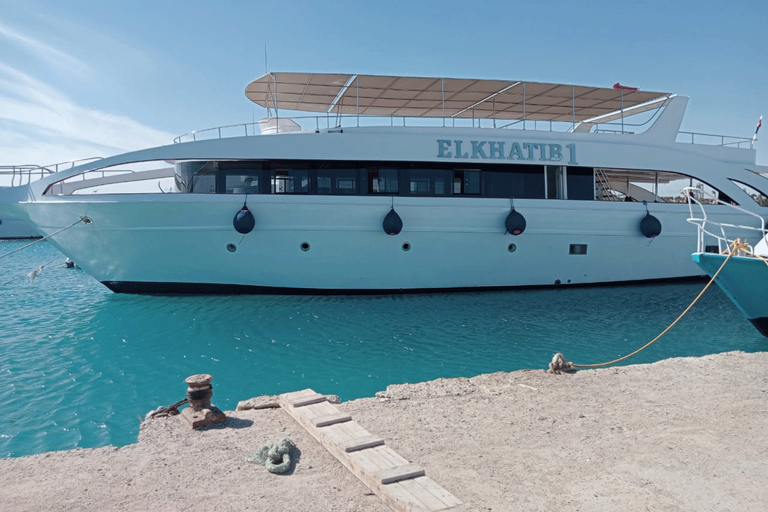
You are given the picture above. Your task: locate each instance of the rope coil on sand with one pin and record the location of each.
(560, 364)
(275, 457)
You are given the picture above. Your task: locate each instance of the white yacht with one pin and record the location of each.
(390, 184)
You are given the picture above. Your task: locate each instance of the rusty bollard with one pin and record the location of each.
(200, 411)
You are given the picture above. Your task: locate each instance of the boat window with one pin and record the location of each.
(526, 181)
(196, 177)
(241, 182)
(430, 182)
(650, 186)
(581, 183)
(466, 182)
(752, 192)
(337, 181)
(555, 180)
(579, 249)
(290, 181)
(382, 181)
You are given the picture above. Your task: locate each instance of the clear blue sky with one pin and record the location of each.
(84, 78)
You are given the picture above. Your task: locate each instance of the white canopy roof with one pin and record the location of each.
(440, 97)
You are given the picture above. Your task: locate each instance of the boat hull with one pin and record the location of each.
(744, 280)
(186, 243)
(14, 228)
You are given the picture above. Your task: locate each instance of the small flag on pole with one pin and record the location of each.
(759, 124)
(620, 87)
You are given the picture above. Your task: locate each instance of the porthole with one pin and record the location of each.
(406, 246)
(231, 247)
(511, 247)
(304, 246)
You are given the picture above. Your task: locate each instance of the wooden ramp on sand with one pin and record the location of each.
(402, 485)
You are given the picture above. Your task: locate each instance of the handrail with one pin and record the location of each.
(695, 195)
(22, 172)
(29, 171)
(337, 121)
(725, 140)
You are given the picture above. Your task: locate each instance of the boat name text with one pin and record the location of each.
(498, 150)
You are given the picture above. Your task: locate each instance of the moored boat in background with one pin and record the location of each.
(13, 178)
(739, 268)
(406, 184)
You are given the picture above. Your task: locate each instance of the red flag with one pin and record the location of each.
(620, 87)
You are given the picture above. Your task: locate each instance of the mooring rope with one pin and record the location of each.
(83, 219)
(559, 362)
(32, 275)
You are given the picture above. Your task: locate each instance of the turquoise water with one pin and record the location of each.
(79, 363)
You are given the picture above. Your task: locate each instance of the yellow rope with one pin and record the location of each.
(735, 246)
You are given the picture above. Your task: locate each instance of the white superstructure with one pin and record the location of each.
(495, 185)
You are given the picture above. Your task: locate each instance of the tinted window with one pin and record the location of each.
(526, 181)
(581, 183)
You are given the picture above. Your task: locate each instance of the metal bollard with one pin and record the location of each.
(200, 411)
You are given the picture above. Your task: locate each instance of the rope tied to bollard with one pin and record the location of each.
(171, 410)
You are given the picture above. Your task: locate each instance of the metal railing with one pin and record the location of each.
(335, 121)
(25, 174)
(697, 197)
(711, 139)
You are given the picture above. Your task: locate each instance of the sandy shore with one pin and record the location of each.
(687, 434)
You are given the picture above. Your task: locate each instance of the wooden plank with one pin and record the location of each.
(400, 499)
(313, 399)
(463, 507)
(374, 455)
(364, 464)
(336, 435)
(397, 473)
(315, 410)
(431, 486)
(394, 458)
(402, 485)
(361, 443)
(289, 398)
(423, 495)
(331, 419)
(353, 429)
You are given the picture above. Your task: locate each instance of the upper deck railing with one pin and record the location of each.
(712, 139)
(333, 121)
(24, 174)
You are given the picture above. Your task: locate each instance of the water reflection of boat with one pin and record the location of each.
(740, 269)
(406, 184)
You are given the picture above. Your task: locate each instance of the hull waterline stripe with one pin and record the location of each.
(158, 288)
